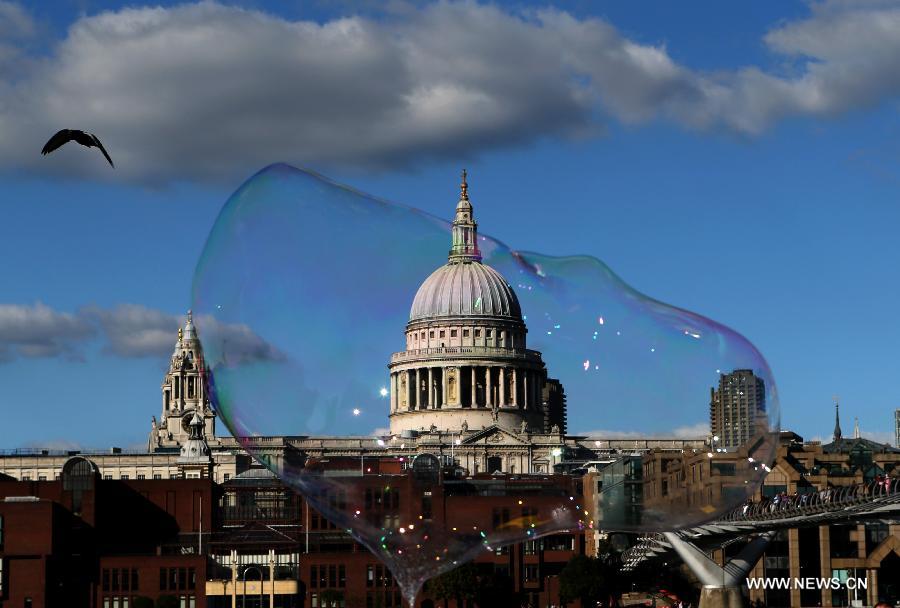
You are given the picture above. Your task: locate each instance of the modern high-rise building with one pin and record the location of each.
(735, 407)
(897, 427)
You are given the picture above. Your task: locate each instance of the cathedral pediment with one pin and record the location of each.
(495, 435)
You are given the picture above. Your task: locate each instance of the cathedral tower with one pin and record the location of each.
(184, 393)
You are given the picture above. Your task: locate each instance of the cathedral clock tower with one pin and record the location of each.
(184, 394)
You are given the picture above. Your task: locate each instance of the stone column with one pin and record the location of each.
(502, 379)
(271, 577)
(393, 393)
(443, 387)
(411, 389)
(515, 387)
(474, 386)
(525, 395)
(487, 387)
(872, 579)
(431, 395)
(234, 578)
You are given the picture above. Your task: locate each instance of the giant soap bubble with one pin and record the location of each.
(504, 397)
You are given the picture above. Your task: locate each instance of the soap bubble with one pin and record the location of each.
(598, 418)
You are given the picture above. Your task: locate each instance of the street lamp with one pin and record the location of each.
(455, 442)
(244, 599)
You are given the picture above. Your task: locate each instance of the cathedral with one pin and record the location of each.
(466, 389)
(465, 364)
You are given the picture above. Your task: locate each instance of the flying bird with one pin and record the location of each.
(64, 136)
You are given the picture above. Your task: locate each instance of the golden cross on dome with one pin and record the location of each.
(464, 187)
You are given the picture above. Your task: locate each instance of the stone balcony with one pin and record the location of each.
(479, 352)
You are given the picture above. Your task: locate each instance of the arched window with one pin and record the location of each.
(78, 475)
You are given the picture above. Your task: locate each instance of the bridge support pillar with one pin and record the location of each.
(723, 587)
(722, 597)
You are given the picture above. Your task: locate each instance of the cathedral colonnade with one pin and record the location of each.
(474, 385)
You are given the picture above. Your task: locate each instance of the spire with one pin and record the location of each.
(837, 420)
(856, 428)
(465, 229)
(189, 333)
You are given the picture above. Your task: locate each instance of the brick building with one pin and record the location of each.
(82, 540)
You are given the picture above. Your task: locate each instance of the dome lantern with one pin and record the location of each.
(464, 246)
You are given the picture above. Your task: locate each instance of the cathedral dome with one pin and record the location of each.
(463, 289)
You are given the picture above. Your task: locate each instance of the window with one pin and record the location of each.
(26, 477)
(115, 580)
(227, 476)
(314, 576)
(140, 476)
(125, 476)
(477, 333)
(500, 517)
(162, 579)
(42, 478)
(442, 333)
(531, 572)
(134, 579)
(488, 333)
(431, 334)
(452, 333)
(107, 477)
(157, 476)
(465, 333)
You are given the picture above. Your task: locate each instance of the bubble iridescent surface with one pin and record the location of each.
(303, 293)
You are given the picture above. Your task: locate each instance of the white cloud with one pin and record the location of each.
(206, 91)
(126, 330)
(39, 331)
(15, 22)
(878, 436)
(699, 430)
(132, 330)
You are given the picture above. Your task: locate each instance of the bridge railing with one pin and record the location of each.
(819, 501)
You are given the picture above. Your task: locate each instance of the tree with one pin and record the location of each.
(584, 578)
(497, 590)
(458, 584)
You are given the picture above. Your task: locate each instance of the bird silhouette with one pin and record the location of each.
(64, 136)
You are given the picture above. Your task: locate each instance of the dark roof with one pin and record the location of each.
(845, 446)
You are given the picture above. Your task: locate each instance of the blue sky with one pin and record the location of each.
(683, 145)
